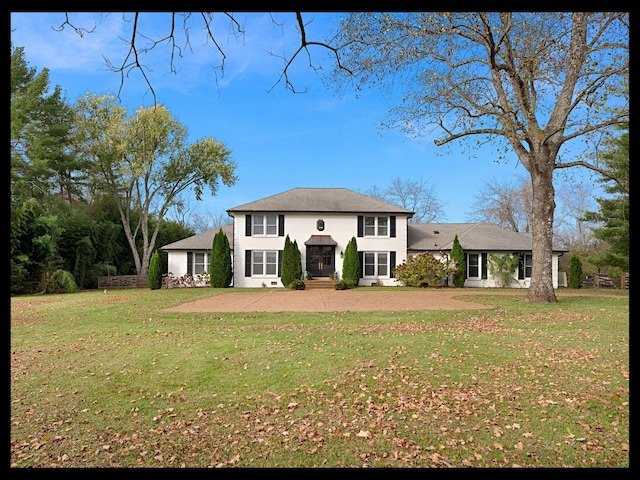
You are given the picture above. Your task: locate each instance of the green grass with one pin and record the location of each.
(115, 381)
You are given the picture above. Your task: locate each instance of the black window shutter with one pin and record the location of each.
(247, 224)
(279, 263)
(392, 263)
(484, 265)
(361, 260)
(520, 266)
(247, 263)
(360, 225)
(392, 225)
(190, 263)
(280, 227)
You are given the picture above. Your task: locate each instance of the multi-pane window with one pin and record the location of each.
(264, 262)
(376, 264)
(200, 263)
(473, 265)
(528, 265)
(265, 225)
(197, 262)
(383, 227)
(376, 226)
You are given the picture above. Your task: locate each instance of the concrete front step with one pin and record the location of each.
(320, 283)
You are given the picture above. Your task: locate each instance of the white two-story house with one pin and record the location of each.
(322, 221)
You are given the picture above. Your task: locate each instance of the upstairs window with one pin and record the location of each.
(265, 225)
(376, 226)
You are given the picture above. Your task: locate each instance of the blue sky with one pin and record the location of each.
(278, 139)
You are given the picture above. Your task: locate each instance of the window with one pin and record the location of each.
(382, 226)
(200, 264)
(473, 265)
(376, 264)
(376, 226)
(525, 265)
(264, 263)
(197, 262)
(528, 265)
(265, 225)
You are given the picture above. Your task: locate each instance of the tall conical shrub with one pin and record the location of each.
(457, 255)
(288, 263)
(297, 270)
(154, 275)
(575, 272)
(220, 261)
(351, 264)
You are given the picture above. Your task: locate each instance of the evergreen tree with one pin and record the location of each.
(154, 277)
(614, 210)
(575, 272)
(297, 268)
(457, 255)
(220, 263)
(351, 264)
(291, 262)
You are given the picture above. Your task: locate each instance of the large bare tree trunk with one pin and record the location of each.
(541, 289)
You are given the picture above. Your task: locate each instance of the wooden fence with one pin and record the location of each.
(123, 281)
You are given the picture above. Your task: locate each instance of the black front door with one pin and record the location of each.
(320, 260)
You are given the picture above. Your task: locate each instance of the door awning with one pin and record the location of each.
(316, 240)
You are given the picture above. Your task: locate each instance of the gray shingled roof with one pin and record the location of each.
(472, 236)
(421, 237)
(202, 241)
(339, 200)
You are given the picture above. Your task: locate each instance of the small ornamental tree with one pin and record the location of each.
(220, 262)
(457, 255)
(575, 272)
(422, 270)
(351, 264)
(154, 276)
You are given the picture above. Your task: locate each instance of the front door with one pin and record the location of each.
(320, 260)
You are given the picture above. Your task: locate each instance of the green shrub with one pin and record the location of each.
(62, 281)
(341, 285)
(575, 272)
(296, 284)
(351, 264)
(291, 262)
(421, 271)
(220, 272)
(154, 276)
(457, 255)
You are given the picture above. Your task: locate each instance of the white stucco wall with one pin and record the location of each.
(300, 227)
(177, 263)
(491, 283)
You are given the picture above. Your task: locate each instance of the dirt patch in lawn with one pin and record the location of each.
(329, 300)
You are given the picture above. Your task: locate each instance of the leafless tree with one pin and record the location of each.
(183, 214)
(416, 195)
(526, 82)
(504, 203)
(140, 43)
